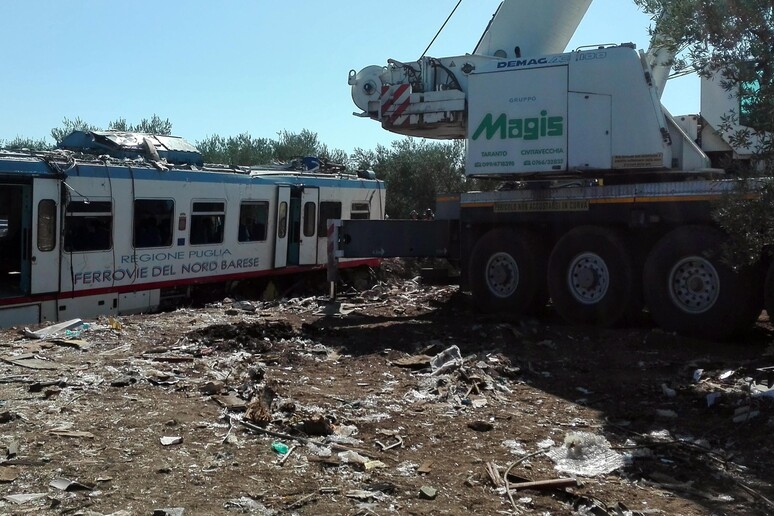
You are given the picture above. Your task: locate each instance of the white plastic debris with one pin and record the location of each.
(54, 329)
(319, 451)
(516, 447)
(758, 390)
(635, 452)
(374, 464)
(352, 457)
(346, 430)
(585, 454)
(445, 360)
(697, 375)
(712, 397)
(744, 414)
(406, 469)
(668, 392)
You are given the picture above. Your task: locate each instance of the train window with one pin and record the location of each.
(310, 218)
(88, 226)
(46, 225)
(360, 210)
(328, 210)
(253, 218)
(282, 220)
(207, 220)
(153, 220)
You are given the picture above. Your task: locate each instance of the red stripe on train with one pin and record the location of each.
(372, 262)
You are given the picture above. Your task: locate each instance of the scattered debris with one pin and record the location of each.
(231, 402)
(63, 432)
(258, 410)
(398, 442)
(413, 362)
(171, 511)
(7, 474)
(20, 499)
(425, 468)
(745, 413)
(668, 391)
(586, 455)
(54, 330)
(279, 447)
(666, 413)
(554, 483)
(446, 360)
(64, 484)
(287, 411)
(428, 493)
(31, 361)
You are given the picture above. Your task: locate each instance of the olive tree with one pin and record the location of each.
(415, 172)
(733, 39)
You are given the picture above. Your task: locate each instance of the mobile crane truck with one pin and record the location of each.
(605, 202)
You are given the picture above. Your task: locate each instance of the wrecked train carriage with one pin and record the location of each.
(118, 223)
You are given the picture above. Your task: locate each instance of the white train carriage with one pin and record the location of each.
(82, 236)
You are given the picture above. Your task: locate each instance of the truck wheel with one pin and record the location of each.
(507, 271)
(690, 290)
(591, 277)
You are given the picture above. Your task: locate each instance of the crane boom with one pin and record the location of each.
(525, 28)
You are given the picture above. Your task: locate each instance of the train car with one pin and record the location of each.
(119, 223)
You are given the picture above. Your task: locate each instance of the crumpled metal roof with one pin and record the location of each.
(121, 144)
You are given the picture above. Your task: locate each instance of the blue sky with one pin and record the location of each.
(255, 66)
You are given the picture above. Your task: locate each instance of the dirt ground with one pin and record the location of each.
(151, 414)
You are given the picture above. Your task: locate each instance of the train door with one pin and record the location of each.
(307, 246)
(294, 228)
(302, 230)
(44, 245)
(15, 222)
(296, 240)
(281, 229)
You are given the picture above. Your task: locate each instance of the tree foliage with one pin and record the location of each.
(732, 39)
(153, 125)
(70, 125)
(416, 171)
(306, 143)
(245, 150)
(239, 150)
(21, 143)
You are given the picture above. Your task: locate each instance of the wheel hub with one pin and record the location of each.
(694, 284)
(588, 278)
(502, 275)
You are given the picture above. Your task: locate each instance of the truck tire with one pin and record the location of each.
(591, 277)
(690, 290)
(507, 272)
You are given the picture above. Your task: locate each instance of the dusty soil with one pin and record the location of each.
(527, 394)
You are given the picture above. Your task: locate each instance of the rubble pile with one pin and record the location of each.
(393, 400)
